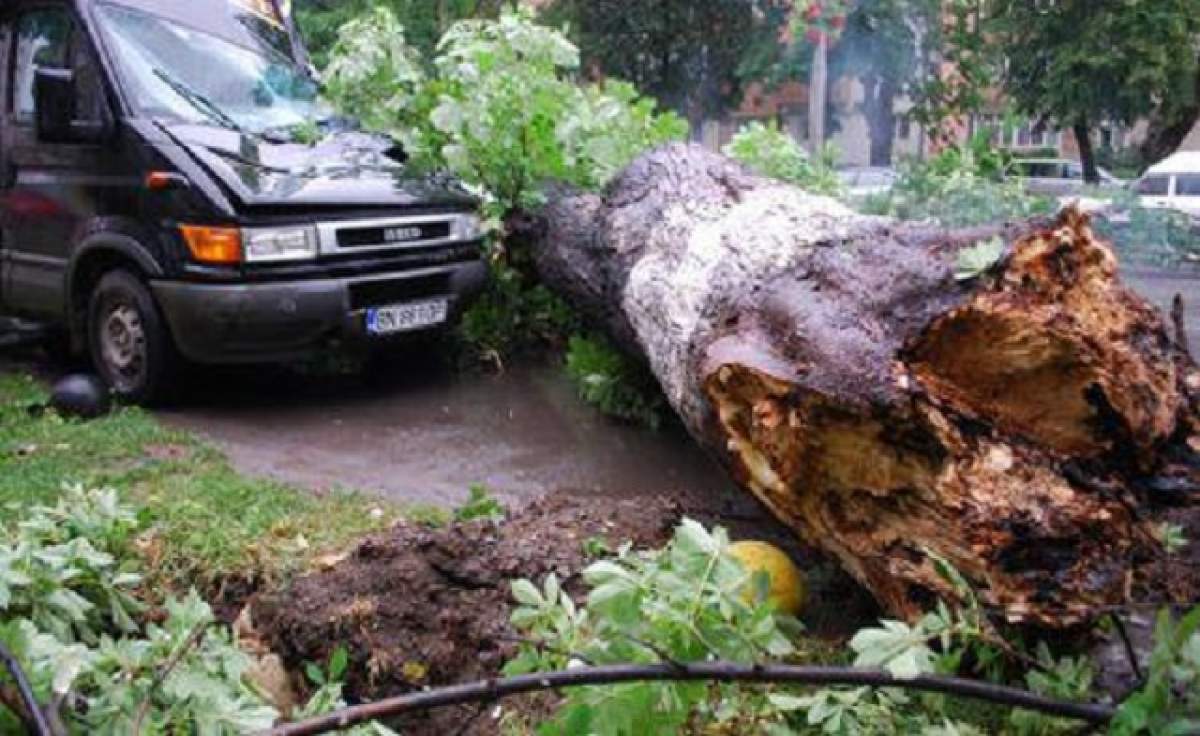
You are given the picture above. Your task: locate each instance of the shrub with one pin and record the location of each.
(767, 150)
(1149, 237)
(960, 187)
(610, 381)
(514, 313)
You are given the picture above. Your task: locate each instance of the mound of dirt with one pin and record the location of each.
(418, 606)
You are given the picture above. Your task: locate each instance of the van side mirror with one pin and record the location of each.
(56, 105)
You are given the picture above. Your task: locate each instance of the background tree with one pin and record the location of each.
(959, 71)
(881, 43)
(424, 21)
(882, 47)
(692, 56)
(1170, 123)
(1079, 63)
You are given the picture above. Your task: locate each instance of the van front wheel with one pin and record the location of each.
(128, 339)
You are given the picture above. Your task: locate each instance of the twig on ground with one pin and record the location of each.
(192, 640)
(491, 690)
(1130, 652)
(27, 707)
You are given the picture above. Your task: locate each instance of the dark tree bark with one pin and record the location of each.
(1166, 135)
(880, 109)
(1087, 153)
(888, 411)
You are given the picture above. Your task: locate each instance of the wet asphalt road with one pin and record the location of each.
(424, 433)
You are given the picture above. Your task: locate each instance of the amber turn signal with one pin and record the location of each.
(161, 181)
(213, 244)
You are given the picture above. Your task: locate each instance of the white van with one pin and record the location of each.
(1173, 183)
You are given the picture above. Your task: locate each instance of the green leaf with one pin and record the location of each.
(526, 593)
(314, 673)
(976, 260)
(338, 661)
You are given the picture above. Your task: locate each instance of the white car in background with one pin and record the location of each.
(1173, 183)
(1056, 177)
(863, 181)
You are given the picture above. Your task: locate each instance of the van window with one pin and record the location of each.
(43, 40)
(179, 73)
(1154, 186)
(1187, 185)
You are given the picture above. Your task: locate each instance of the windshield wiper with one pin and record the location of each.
(200, 102)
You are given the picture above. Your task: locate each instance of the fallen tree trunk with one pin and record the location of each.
(1012, 423)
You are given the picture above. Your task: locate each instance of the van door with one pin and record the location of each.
(50, 188)
(1154, 191)
(1187, 194)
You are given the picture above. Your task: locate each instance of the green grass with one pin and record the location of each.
(206, 525)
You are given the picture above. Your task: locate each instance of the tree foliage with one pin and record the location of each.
(689, 55)
(68, 613)
(1077, 63)
(426, 20)
(962, 70)
(883, 46)
(499, 107)
(767, 150)
(692, 601)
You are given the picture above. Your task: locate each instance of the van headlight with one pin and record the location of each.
(466, 227)
(273, 244)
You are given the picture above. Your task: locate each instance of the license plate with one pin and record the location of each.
(406, 317)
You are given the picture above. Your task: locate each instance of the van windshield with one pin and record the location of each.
(177, 72)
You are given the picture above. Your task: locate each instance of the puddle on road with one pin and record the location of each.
(426, 433)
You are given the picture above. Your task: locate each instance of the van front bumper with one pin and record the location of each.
(281, 321)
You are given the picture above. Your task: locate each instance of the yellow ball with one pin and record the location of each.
(787, 592)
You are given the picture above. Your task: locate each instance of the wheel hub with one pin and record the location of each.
(123, 341)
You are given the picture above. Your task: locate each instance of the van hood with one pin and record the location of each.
(346, 168)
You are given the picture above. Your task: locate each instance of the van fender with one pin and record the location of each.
(110, 246)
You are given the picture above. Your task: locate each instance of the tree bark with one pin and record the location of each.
(880, 109)
(891, 413)
(1166, 135)
(1087, 153)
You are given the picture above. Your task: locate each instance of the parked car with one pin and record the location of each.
(155, 206)
(864, 181)
(1055, 176)
(1173, 183)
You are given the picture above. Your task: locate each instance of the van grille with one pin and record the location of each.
(382, 293)
(399, 235)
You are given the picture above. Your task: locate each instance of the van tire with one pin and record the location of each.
(128, 340)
